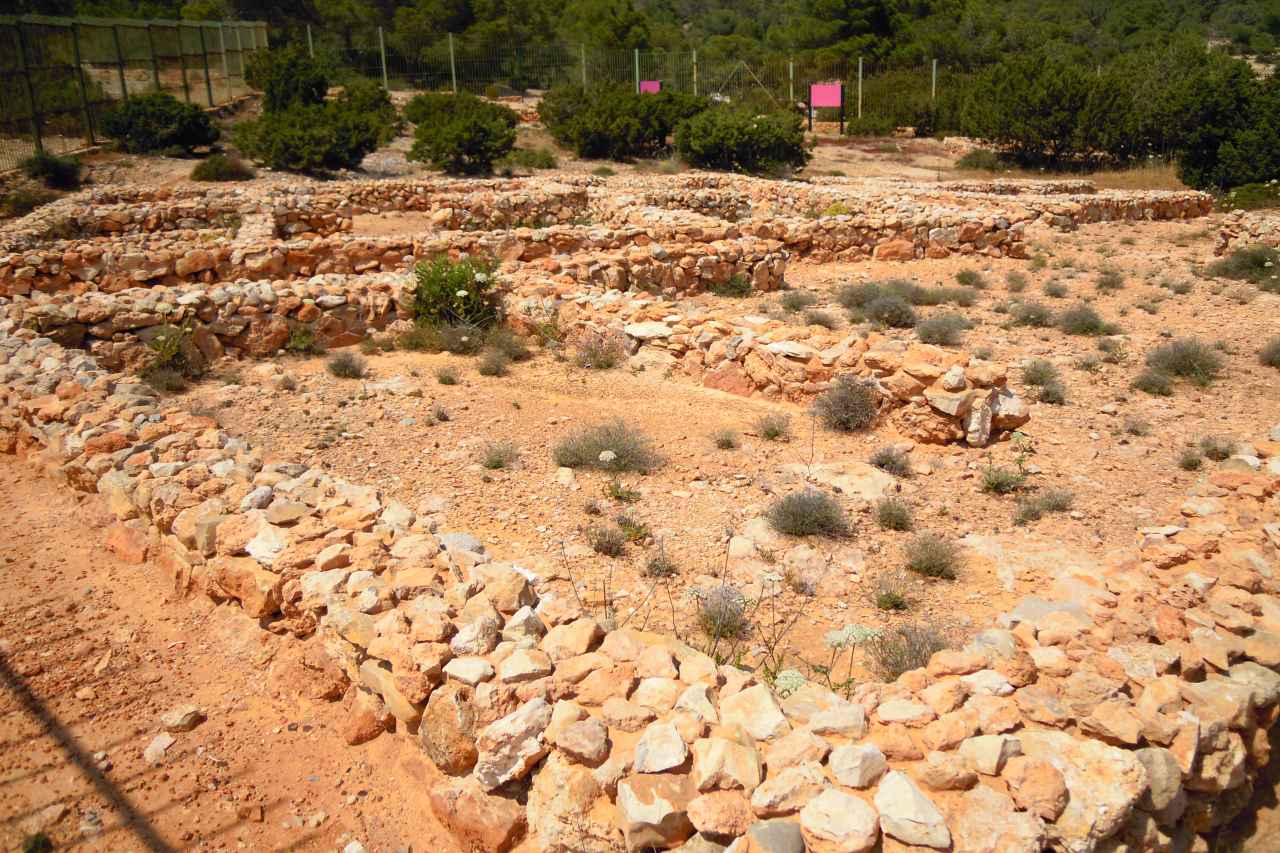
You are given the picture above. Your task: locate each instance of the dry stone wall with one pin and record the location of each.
(1128, 707)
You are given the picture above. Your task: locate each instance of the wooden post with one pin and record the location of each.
(182, 59)
(859, 87)
(226, 71)
(453, 66)
(31, 89)
(84, 90)
(155, 60)
(115, 36)
(382, 51)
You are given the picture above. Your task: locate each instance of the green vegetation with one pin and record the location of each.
(738, 140)
(933, 556)
(773, 427)
(456, 293)
(58, 173)
(847, 406)
(611, 446)
(222, 167)
(156, 122)
(460, 134)
(808, 513)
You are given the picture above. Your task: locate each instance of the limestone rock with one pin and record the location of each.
(908, 815)
(836, 822)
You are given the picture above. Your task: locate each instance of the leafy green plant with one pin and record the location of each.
(463, 292)
(467, 138)
(773, 427)
(894, 514)
(286, 76)
(59, 173)
(736, 286)
(156, 121)
(611, 446)
(221, 168)
(847, 406)
(346, 365)
(737, 140)
(1002, 481)
(932, 555)
(808, 513)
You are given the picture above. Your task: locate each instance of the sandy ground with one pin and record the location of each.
(93, 653)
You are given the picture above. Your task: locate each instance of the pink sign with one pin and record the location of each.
(650, 86)
(825, 95)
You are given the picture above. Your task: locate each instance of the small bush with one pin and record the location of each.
(738, 140)
(1037, 506)
(808, 513)
(22, 201)
(889, 310)
(890, 591)
(493, 363)
(526, 158)
(422, 337)
(999, 480)
(59, 173)
(725, 439)
(1055, 289)
(821, 318)
(773, 427)
(1039, 372)
(154, 122)
(981, 160)
(903, 649)
(1258, 264)
(447, 376)
(302, 340)
(737, 286)
(310, 138)
(286, 77)
(892, 461)
(1188, 359)
(166, 380)
(1031, 314)
(1269, 355)
(1113, 351)
(601, 350)
(1053, 393)
(1190, 459)
(1137, 427)
(661, 566)
(722, 613)
(1016, 282)
(222, 167)
(467, 138)
(612, 446)
(942, 329)
(603, 172)
(346, 365)
(893, 514)
(1110, 281)
(615, 490)
(507, 342)
(498, 454)
(456, 292)
(1217, 448)
(933, 556)
(606, 539)
(971, 278)
(633, 529)
(797, 300)
(870, 125)
(1153, 382)
(847, 406)
(1082, 319)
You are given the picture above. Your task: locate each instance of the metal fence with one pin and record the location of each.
(451, 65)
(59, 75)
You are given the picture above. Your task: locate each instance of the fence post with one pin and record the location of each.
(695, 74)
(584, 66)
(204, 53)
(859, 87)
(240, 52)
(791, 80)
(182, 61)
(453, 66)
(226, 71)
(115, 37)
(84, 92)
(382, 52)
(155, 60)
(31, 89)
(311, 48)
(933, 91)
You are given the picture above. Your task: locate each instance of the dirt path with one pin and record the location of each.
(92, 653)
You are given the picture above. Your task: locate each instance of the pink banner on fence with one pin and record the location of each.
(824, 95)
(650, 86)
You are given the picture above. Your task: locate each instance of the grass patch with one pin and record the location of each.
(902, 649)
(1035, 314)
(222, 168)
(1082, 319)
(1000, 480)
(808, 513)
(971, 278)
(611, 446)
(1187, 358)
(892, 311)
(889, 592)
(894, 514)
(607, 539)
(1217, 447)
(1190, 459)
(722, 613)
(942, 329)
(933, 556)
(797, 300)
(498, 454)
(773, 427)
(447, 376)
(1153, 382)
(725, 439)
(1110, 281)
(493, 362)
(600, 350)
(892, 461)
(346, 365)
(737, 287)
(825, 319)
(1038, 506)
(1257, 264)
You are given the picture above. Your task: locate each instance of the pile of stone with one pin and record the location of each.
(1242, 228)
(1129, 706)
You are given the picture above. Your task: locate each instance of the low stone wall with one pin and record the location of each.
(1127, 708)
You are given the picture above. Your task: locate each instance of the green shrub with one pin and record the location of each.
(310, 138)
(847, 406)
(498, 454)
(611, 446)
(346, 365)
(222, 167)
(1269, 355)
(447, 376)
(166, 380)
(943, 329)
(607, 539)
(889, 310)
(1153, 382)
(302, 340)
(21, 201)
(1255, 196)
(892, 461)
(154, 122)
(1037, 506)
(971, 278)
(902, 649)
(870, 125)
(893, 514)
(1187, 358)
(808, 513)
(1002, 481)
(660, 565)
(59, 173)
(797, 300)
(773, 427)
(981, 160)
(286, 77)
(1016, 281)
(367, 98)
(726, 439)
(493, 363)
(467, 138)
(463, 292)
(737, 286)
(1110, 280)
(526, 158)
(1038, 372)
(1055, 289)
(1082, 319)
(737, 140)
(1031, 314)
(507, 342)
(932, 555)
(722, 614)
(460, 338)
(616, 123)
(1190, 459)
(1217, 447)
(1257, 264)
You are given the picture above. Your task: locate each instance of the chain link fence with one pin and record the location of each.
(59, 75)
(451, 64)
